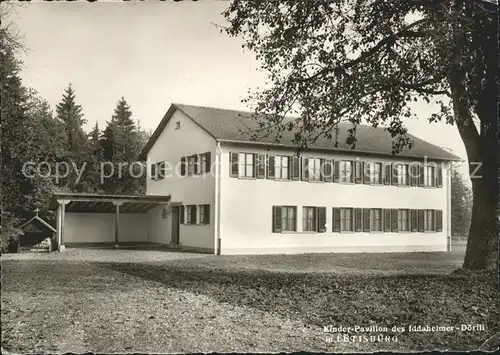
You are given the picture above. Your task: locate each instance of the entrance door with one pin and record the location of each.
(175, 225)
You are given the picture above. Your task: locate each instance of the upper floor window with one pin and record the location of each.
(402, 172)
(246, 165)
(192, 163)
(281, 167)
(314, 167)
(429, 176)
(375, 173)
(346, 171)
(177, 125)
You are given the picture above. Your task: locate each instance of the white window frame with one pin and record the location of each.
(244, 166)
(188, 214)
(373, 171)
(346, 171)
(373, 219)
(346, 219)
(403, 174)
(285, 219)
(281, 167)
(314, 168)
(307, 219)
(428, 220)
(403, 221)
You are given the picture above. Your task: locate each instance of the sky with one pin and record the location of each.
(153, 54)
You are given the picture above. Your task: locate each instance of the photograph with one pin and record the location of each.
(249, 176)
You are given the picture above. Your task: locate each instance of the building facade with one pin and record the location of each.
(240, 195)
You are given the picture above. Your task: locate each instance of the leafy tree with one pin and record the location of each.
(372, 59)
(461, 205)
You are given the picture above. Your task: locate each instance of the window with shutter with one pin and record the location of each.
(281, 167)
(346, 168)
(276, 219)
(160, 169)
(233, 164)
(295, 167)
(204, 214)
(321, 212)
(346, 222)
(366, 219)
(375, 219)
(314, 165)
(439, 220)
(196, 164)
(305, 169)
(394, 220)
(336, 219)
(289, 218)
(261, 166)
(358, 219)
(387, 220)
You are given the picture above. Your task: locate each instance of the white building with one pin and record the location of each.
(243, 194)
(215, 187)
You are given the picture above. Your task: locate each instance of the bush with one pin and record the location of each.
(10, 234)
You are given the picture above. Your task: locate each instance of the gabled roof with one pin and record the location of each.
(238, 127)
(39, 220)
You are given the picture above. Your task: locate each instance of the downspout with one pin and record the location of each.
(218, 155)
(448, 204)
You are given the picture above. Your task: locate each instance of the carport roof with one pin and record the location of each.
(105, 203)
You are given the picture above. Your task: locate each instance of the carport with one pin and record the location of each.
(85, 218)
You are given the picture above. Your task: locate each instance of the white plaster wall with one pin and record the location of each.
(171, 145)
(159, 228)
(100, 227)
(246, 212)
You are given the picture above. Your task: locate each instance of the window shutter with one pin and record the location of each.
(387, 220)
(153, 171)
(270, 167)
(305, 169)
(439, 220)
(336, 170)
(366, 172)
(358, 168)
(421, 176)
(439, 176)
(181, 212)
(233, 164)
(295, 167)
(183, 166)
(261, 166)
(336, 219)
(421, 217)
(413, 220)
(321, 213)
(193, 213)
(255, 165)
(358, 219)
(328, 170)
(161, 168)
(366, 219)
(206, 214)
(195, 164)
(208, 162)
(394, 220)
(413, 175)
(387, 174)
(276, 219)
(395, 174)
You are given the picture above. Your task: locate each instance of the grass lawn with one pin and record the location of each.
(155, 301)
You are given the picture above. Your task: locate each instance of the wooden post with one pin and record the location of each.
(63, 213)
(117, 224)
(58, 226)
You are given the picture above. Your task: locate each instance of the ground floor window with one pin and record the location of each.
(309, 219)
(346, 219)
(429, 220)
(375, 219)
(284, 219)
(191, 214)
(403, 220)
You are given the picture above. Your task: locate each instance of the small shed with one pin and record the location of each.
(38, 235)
